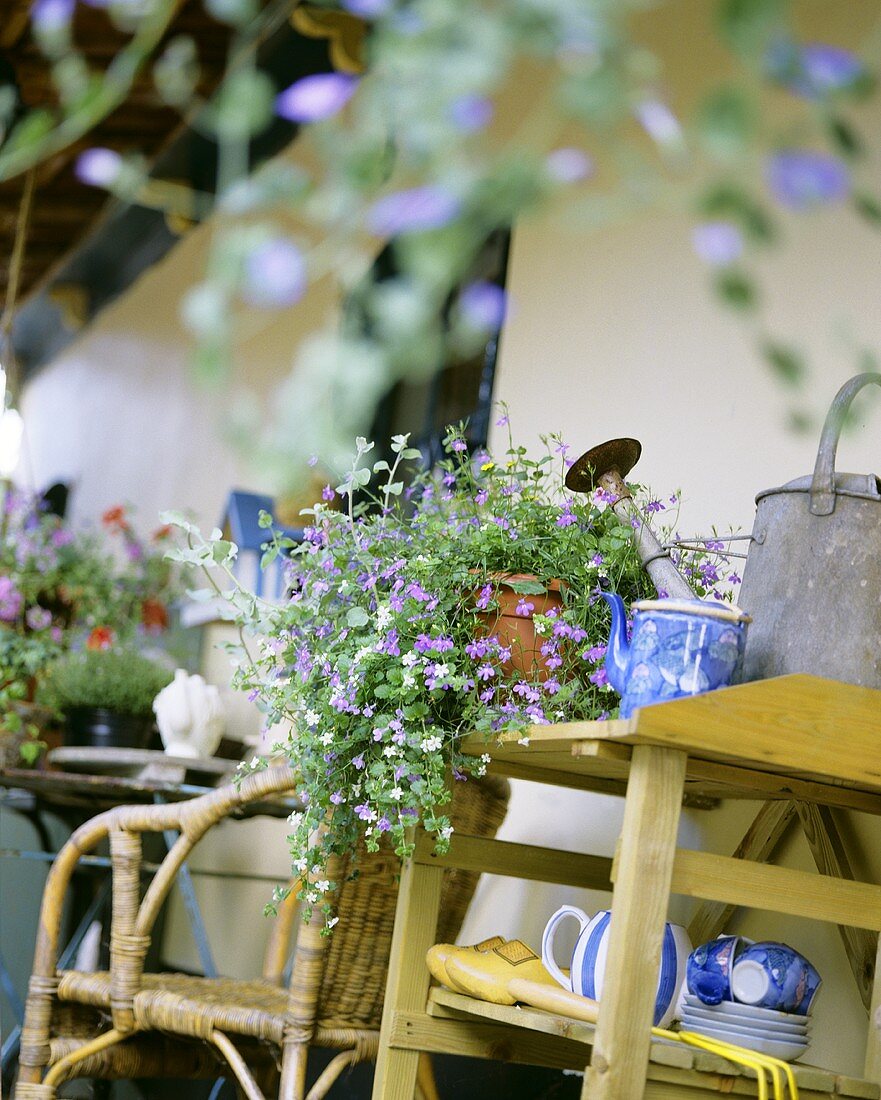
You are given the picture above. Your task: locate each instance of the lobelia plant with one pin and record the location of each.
(386, 652)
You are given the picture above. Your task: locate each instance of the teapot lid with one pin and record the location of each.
(728, 612)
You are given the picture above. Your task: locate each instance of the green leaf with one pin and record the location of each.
(749, 25)
(357, 616)
(729, 201)
(736, 290)
(868, 206)
(726, 122)
(527, 588)
(222, 550)
(787, 363)
(845, 138)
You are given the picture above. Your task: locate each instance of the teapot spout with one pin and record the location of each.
(618, 648)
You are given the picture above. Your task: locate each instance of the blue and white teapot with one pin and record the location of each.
(678, 647)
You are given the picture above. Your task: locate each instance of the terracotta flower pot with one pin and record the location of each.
(517, 631)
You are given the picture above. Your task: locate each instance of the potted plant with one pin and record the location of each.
(105, 695)
(389, 648)
(61, 588)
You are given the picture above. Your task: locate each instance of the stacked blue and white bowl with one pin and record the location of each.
(755, 995)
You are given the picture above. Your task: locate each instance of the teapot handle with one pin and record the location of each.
(823, 484)
(547, 940)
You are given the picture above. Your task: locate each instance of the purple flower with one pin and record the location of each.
(364, 812)
(383, 825)
(595, 653)
(814, 70)
(486, 672)
(367, 9)
(274, 275)
(337, 798)
(50, 16)
(483, 306)
(316, 97)
(566, 517)
(599, 677)
(502, 422)
(717, 243)
(412, 211)
(358, 762)
(469, 113)
(61, 537)
(458, 445)
(38, 618)
(801, 178)
(568, 165)
(97, 167)
(327, 493)
(11, 600)
(597, 560)
(658, 121)
(524, 607)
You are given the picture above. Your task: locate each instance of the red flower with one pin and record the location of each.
(161, 533)
(154, 616)
(100, 638)
(115, 519)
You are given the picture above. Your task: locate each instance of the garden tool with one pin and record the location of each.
(812, 579)
(605, 467)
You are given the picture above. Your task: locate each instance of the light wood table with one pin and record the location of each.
(800, 743)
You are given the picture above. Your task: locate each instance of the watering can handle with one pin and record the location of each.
(823, 484)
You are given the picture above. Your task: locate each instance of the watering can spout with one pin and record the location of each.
(618, 647)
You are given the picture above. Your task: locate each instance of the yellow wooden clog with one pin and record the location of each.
(436, 957)
(486, 974)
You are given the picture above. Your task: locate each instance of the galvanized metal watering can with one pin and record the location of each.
(812, 579)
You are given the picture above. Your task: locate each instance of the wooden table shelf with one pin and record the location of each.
(566, 1044)
(799, 744)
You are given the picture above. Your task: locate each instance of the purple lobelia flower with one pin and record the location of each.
(11, 600)
(801, 178)
(568, 165)
(470, 113)
(483, 306)
(49, 16)
(316, 97)
(274, 275)
(412, 211)
(813, 70)
(368, 9)
(717, 243)
(98, 167)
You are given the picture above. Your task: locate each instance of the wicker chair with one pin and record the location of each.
(174, 1025)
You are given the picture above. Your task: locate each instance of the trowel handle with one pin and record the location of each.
(823, 484)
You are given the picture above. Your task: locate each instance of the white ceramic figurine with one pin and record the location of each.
(190, 717)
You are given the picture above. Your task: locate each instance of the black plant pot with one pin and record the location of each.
(108, 729)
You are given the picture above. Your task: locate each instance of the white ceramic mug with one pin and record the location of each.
(589, 959)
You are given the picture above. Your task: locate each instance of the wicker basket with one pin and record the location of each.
(353, 988)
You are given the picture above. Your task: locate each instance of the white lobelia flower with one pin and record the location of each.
(294, 819)
(441, 671)
(391, 750)
(431, 744)
(327, 738)
(331, 921)
(408, 680)
(410, 659)
(396, 793)
(383, 616)
(322, 886)
(446, 832)
(312, 718)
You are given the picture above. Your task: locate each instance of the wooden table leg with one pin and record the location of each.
(408, 979)
(639, 912)
(830, 855)
(872, 1072)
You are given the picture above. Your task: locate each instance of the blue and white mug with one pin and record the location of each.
(774, 975)
(588, 964)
